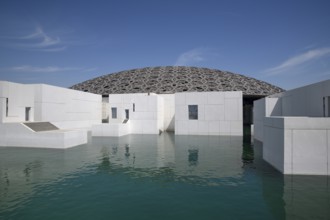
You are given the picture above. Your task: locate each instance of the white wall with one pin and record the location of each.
(64, 108)
(160, 114)
(219, 113)
(298, 145)
(305, 101)
(294, 131)
(111, 130)
(259, 112)
(148, 117)
(19, 97)
(121, 103)
(263, 108)
(67, 108)
(169, 111)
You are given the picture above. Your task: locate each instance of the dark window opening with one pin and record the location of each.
(193, 112)
(27, 113)
(127, 114)
(114, 113)
(133, 107)
(7, 107)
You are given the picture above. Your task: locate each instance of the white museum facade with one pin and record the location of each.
(40, 115)
(61, 116)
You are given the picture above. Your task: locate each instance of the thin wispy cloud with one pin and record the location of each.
(193, 56)
(38, 40)
(93, 69)
(47, 69)
(297, 61)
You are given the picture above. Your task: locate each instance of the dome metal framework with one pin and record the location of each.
(173, 79)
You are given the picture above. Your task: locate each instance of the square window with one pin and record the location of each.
(114, 113)
(193, 112)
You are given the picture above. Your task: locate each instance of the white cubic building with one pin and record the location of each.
(124, 114)
(193, 113)
(294, 127)
(209, 113)
(39, 115)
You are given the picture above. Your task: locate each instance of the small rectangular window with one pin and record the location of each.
(133, 107)
(113, 113)
(193, 112)
(127, 114)
(7, 107)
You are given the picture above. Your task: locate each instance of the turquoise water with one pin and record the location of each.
(155, 177)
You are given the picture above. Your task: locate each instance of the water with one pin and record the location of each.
(155, 177)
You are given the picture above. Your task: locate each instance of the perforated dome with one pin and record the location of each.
(172, 79)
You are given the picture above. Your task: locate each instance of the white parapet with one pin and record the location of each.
(19, 135)
(297, 145)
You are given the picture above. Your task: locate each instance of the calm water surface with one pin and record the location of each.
(155, 177)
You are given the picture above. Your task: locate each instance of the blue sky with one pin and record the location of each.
(286, 43)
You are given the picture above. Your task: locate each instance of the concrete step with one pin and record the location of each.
(41, 126)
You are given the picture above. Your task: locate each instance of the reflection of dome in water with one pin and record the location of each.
(172, 79)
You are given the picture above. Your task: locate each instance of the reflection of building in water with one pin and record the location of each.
(208, 156)
(193, 157)
(114, 150)
(197, 160)
(127, 154)
(303, 203)
(22, 169)
(292, 196)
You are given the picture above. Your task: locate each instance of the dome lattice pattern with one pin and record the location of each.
(172, 79)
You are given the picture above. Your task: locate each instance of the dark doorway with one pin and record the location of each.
(248, 114)
(127, 114)
(27, 113)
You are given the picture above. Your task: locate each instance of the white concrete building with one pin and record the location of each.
(187, 113)
(39, 115)
(294, 127)
(45, 116)
(132, 114)
(209, 113)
